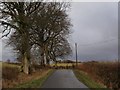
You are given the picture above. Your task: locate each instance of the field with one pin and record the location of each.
(63, 64)
(9, 64)
(105, 73)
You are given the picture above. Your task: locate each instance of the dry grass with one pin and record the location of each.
(4, 64)
(11, 75)
(62, 64)
(65, 64)
(0, 63)
(23, 78)
(102, 72)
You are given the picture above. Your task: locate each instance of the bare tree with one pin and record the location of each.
(51, 22)
(40, 24)
(15, 17)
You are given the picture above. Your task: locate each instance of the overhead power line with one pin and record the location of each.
(101, 42)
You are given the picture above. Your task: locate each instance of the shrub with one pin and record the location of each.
(9, 73)
(106, 73)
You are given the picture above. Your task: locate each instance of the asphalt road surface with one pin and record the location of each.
(63, 79)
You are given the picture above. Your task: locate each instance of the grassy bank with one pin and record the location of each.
(36, 83)
(87, 80)
(103, 72)
(13, 78)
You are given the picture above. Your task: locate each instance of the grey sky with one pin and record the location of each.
(95, 29)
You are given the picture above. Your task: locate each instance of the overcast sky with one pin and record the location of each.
(95, 30)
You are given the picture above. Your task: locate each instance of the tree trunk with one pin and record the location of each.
(46, 56)
(26, 66)
(48, 62)
(26, 57)
(42, 57)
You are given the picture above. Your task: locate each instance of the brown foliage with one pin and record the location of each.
(24, 78)
(10, 73)
(106, 73)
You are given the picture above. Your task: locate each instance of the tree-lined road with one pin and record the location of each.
(63, 79)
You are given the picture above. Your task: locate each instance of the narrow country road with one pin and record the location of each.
(63, 79)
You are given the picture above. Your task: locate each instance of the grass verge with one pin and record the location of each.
(37, 83)
(88, 81)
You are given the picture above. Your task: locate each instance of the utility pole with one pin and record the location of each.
(76, 54)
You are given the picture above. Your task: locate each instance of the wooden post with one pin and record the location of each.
(76, 54)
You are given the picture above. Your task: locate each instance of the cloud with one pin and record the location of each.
(95, 28)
